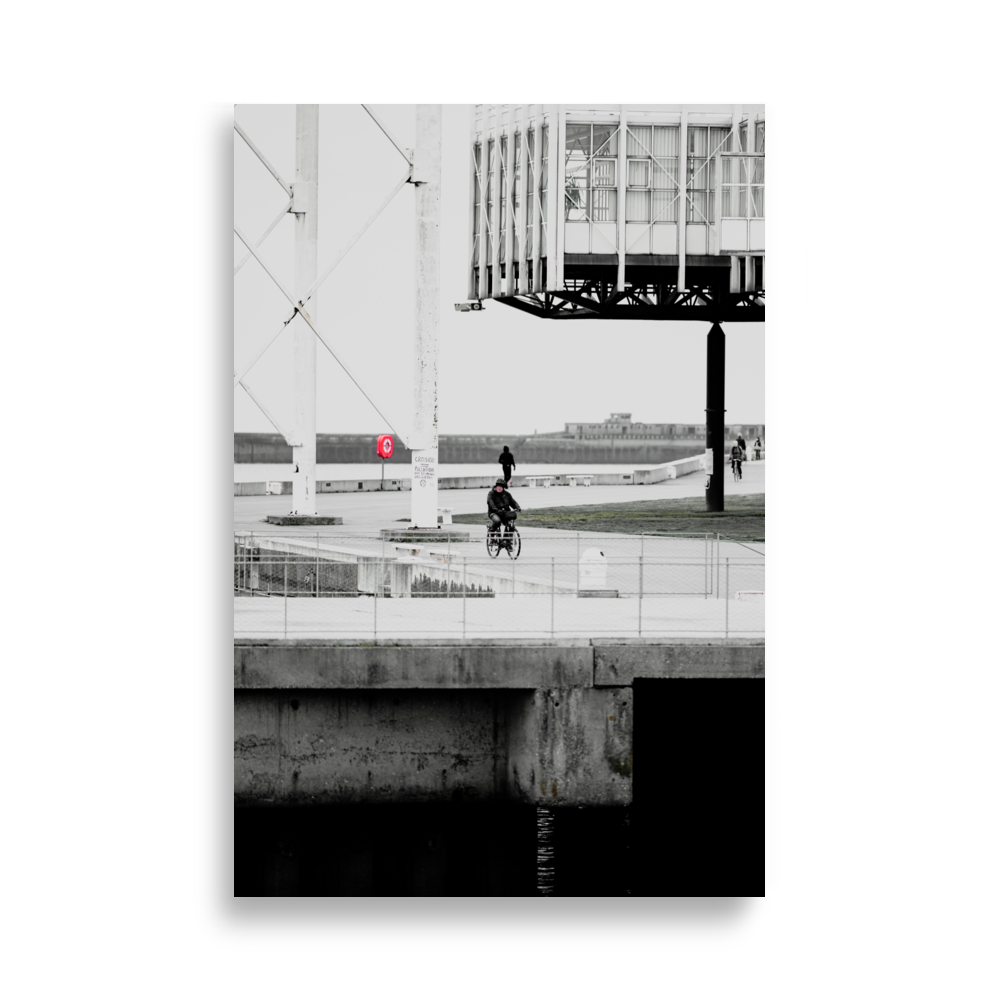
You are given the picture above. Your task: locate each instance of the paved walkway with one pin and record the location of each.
(368, 512)
(520, 617)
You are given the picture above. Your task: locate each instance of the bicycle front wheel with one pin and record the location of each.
(514, 544)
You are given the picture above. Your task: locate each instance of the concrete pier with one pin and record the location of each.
(326, 723)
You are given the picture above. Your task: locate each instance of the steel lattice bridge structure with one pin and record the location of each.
(594, 298)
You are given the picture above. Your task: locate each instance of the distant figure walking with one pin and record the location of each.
(507, 461)
(756, 449)
(742, 444)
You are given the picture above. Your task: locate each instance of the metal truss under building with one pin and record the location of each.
(662, 211)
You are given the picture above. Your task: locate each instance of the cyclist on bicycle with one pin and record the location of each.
(736, 460)
(501, 506)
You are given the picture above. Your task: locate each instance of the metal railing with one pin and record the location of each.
(360, 586)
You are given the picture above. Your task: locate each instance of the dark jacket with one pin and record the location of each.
(497, 502)
(506, 459)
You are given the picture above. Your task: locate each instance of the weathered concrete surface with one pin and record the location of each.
(301, 666)
(336, 722)
(563, 747)
(322, 747)
(617, 665)
(573, 747)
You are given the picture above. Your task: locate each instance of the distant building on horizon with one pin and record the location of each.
(621, 427)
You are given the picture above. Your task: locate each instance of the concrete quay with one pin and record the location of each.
(543, 723)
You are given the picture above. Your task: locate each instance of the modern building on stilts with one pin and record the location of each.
(608, 211)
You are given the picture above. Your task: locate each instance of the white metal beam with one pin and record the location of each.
(495, 211)
(553, 194)
(270, 273)
(270, 341)
(263, 236)
(473, 292)
(306, 211)
(311, 323)
(522, 183)
(354, 239)
(263, 159)
(536, 201)
(622, 195)
(427, 205)
(381, 124)
(560, 232)
(267, 413)
(507, 284)
(682, 168)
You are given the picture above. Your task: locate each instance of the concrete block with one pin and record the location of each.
(302, 666)
(572, 746)
(327, 747)
(620, 665)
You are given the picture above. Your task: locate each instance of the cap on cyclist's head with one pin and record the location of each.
(501, 482)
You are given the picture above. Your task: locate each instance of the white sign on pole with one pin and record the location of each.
(424, 485)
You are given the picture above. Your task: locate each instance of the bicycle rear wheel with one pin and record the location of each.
(493, 543)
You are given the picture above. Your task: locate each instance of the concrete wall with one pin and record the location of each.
(670, 470)
(337, 722)
(332, 449)
(249, 489)
(444, 483)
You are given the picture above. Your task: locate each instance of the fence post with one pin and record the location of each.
(640, 594)
(727, 597)
(552, 618)
(465, 560)
(286, 595)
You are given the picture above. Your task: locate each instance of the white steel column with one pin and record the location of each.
(494, 280)
(552, 192)
(484, 219)
(682, 212)
(521, 214)
(473, 288)
(536, 202)
(507, 284)
(751, 278)
(427, 188)
(621, 195)
(304, 205)
(561, 197)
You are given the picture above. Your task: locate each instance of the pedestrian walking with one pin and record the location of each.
(506, 460)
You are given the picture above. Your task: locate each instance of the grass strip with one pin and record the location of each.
(742, 520)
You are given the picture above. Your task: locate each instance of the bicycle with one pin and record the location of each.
(507, 537)
(737, 470)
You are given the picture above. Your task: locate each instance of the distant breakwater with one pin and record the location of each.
(346, 449)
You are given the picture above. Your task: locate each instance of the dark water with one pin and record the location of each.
(695, 826)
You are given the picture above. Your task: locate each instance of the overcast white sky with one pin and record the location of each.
(561, 371)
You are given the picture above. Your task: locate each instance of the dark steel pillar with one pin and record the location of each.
(715, 418)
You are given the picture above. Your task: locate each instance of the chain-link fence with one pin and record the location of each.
(356, 586)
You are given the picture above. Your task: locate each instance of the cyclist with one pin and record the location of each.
(736, 460)
(501, 506)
